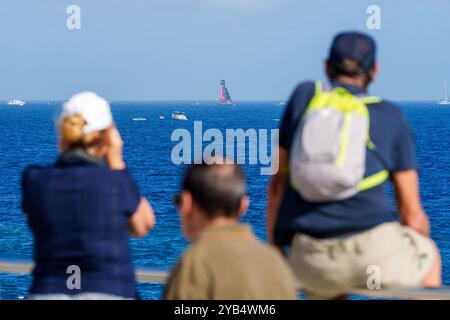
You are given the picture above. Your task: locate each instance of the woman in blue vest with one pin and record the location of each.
(83, 208)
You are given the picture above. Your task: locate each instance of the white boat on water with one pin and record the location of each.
(445, 101)
(16, 102)
(161, 117)
(177, 115)
(139, 119)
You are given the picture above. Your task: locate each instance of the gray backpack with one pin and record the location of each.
(328, 154)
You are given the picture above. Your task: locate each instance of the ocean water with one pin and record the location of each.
(28, 136)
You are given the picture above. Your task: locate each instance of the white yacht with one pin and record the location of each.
(445, 101)
(16, 102)
(161, 117)
(177, 115)
(139, 119)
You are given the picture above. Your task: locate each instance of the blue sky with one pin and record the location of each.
(180, 49)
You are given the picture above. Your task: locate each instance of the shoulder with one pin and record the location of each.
(388, 106)
(192, 261)
(299, 99)
(34, 169)
(304, 89)
(188, 279)
(389, 112)
(122, 174)
(306, 85)
(197, 252)
(34, 172)
(123, 177)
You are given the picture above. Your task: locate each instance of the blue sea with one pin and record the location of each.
(27, 136)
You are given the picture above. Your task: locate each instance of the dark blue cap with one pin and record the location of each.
(351, 47)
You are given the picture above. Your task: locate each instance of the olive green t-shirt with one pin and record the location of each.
(228, 263)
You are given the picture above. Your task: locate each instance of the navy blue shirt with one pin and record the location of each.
(78, 211)
(394, 151)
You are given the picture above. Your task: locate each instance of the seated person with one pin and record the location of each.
(225, 261)
(82, 208)
(336, 241)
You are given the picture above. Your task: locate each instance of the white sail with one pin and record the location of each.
(446, 91)
(445, 101)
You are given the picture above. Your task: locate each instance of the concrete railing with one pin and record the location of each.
(144, 275)
(147, 275)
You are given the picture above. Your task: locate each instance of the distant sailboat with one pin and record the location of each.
(445, 101)
(224, 95)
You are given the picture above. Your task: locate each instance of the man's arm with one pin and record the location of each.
(275, 192)
(406, 186)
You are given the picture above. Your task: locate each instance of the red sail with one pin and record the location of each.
(224, 95)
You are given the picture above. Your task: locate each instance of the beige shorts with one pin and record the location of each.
(397, 255)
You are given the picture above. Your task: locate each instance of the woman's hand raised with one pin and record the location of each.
(114, 153)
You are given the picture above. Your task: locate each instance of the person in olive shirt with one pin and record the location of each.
(225, 261)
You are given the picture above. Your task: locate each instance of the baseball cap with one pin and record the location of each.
(95, 111)
(350, 47)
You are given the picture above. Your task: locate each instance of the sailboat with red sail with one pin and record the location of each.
(224, 95)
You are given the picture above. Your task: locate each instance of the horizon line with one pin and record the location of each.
(209, 101)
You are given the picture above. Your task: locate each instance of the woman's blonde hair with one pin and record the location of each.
(72, 133)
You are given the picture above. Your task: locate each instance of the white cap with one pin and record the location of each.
(94, 109)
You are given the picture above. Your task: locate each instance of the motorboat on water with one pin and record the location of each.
(178, 115)
(139, 119)
(16, 102)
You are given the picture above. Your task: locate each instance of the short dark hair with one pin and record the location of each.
(216, 188)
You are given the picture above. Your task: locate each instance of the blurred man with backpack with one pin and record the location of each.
(338, 148)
